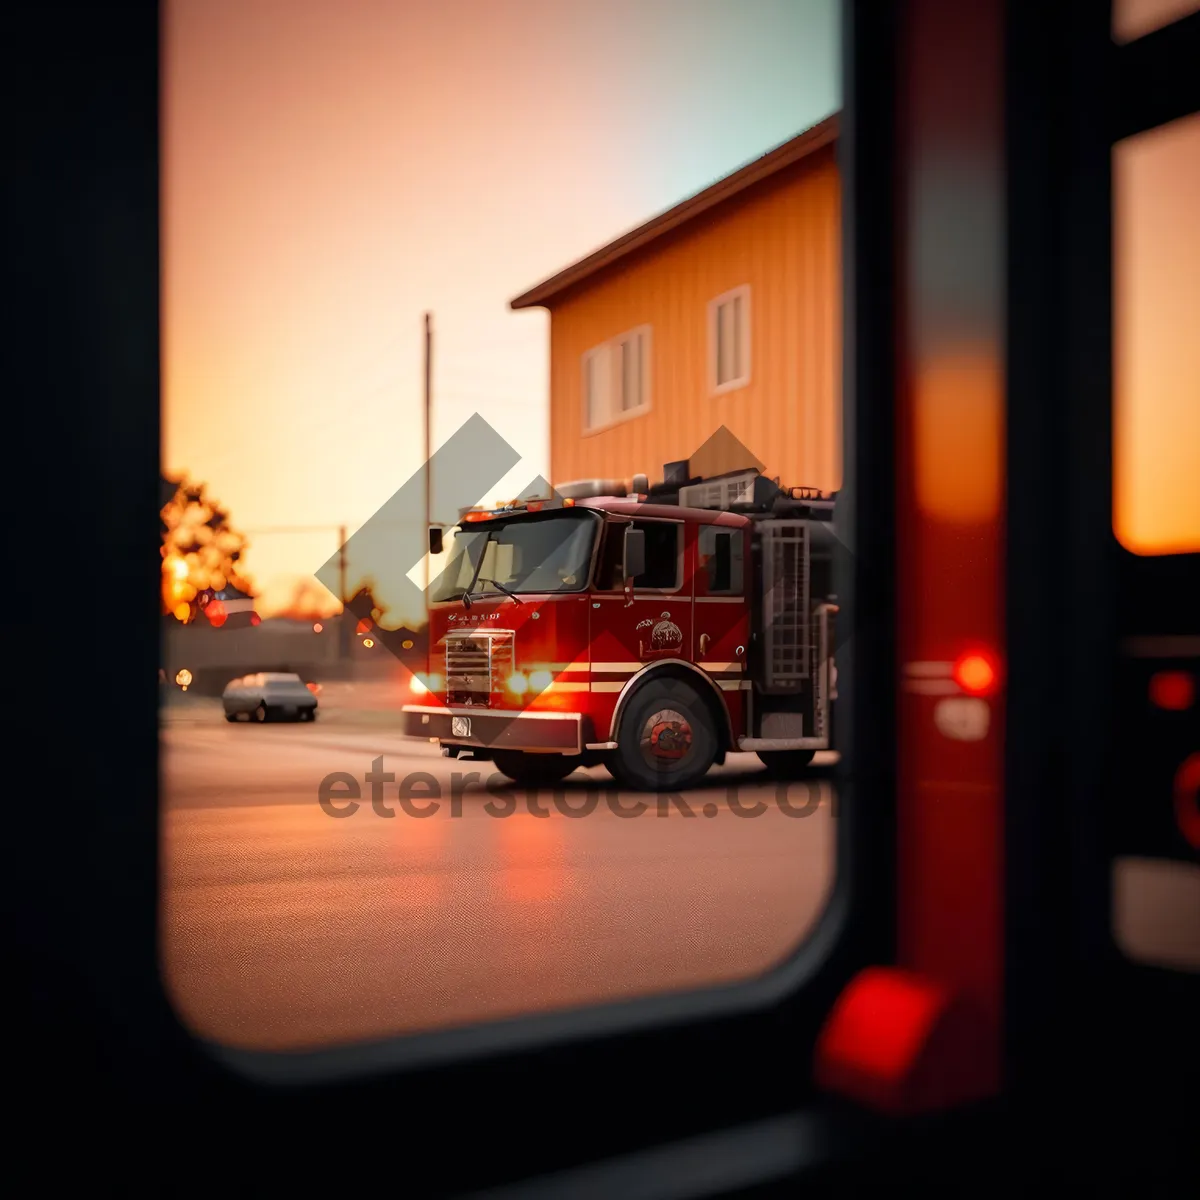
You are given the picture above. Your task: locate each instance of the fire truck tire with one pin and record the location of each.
(786, 764)
(534, 769)
(667, 740)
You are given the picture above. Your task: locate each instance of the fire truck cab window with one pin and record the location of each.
(551, 555)
(662, 557)
(720, 552)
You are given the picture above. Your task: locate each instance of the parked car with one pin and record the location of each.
(269, 696)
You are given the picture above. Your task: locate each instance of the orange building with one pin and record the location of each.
(723, 311)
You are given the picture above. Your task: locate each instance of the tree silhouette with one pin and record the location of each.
(200, 549)
(310, 601)
(364, 613)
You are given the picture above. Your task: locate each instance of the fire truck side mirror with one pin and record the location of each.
(635, 554)
(435, 540)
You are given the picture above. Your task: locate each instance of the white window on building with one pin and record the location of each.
(616, 380)
(595, 388)
(729, 340)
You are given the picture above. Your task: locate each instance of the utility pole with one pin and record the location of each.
(428, 442)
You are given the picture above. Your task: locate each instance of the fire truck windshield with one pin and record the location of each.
(526, 554)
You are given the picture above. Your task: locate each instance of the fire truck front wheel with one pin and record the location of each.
(667, 740)
(534, 769)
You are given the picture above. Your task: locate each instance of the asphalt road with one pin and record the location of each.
(285, 927)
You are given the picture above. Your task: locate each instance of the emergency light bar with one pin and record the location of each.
(585, 489)
(528, 504)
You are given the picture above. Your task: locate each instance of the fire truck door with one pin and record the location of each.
(657, 624)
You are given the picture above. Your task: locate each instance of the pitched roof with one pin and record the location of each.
(792, 151)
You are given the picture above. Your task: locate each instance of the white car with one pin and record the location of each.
(269, 696)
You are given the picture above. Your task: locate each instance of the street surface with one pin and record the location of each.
(285, 927)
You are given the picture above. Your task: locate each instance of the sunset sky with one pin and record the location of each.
(333, 168)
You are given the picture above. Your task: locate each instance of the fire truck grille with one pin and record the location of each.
(477, 665)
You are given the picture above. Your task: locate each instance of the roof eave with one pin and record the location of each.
(792, 151)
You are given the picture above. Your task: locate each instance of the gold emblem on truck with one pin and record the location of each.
(665, 635)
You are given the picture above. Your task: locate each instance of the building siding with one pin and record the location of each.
(782, 238)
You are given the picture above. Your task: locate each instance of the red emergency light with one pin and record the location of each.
(977, 672)
(530, 504)
(1174, 691)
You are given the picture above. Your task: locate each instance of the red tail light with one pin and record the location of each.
(1187, 800)
(1173, 690)
(977, 673)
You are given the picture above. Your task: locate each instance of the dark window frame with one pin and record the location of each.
(1078, 592)
(692, 1062)
(698, 1057)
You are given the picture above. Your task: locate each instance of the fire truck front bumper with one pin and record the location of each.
(496, 729)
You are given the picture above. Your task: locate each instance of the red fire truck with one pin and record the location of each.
(651, 629)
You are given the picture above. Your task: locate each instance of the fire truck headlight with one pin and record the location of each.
(518, 684)
(539, 681)
(422, 684)
(417, 686)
